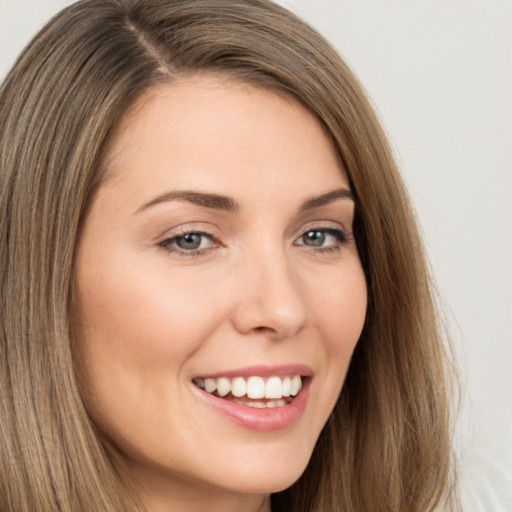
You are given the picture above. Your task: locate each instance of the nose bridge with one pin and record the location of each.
(271, 298)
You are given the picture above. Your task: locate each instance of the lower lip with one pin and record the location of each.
(263, 420)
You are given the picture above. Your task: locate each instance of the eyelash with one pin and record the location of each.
(182, 253)
(340, 235)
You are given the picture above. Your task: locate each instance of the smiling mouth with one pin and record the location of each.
(254, 391)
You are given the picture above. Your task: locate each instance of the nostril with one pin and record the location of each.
(263, 329)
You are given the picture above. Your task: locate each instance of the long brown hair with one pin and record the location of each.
(386, 446)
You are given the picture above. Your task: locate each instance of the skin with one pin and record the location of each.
(151, 316)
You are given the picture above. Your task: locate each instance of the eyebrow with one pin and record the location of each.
(327, 198)
(228, 204)
(206, 200)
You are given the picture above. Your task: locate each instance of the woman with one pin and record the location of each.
(202, 226)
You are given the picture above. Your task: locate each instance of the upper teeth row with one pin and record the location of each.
(253, 387)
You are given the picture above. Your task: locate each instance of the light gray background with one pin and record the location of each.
(440, 75)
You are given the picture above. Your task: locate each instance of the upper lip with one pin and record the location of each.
(285, 370)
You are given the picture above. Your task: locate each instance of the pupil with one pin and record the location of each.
(189, 241)
(315, 238)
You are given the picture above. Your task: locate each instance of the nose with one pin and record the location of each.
(271, 299)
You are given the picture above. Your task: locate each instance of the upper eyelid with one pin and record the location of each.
(218, 234)
(185, 233)
(174, 236)
(187, 229)
(322, 225)
(344, 235)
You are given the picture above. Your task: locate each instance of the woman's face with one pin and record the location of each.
(217, 253)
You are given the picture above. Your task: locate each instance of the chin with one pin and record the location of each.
(269, 476)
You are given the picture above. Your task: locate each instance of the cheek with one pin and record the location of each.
(137, 329)
(142, 311)
(340, 310)
(137, 333)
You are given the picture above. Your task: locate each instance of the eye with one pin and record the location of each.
(192, 242)
(323, 238)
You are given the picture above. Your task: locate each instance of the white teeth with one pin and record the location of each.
(223, 386)
(270, 404)
(287, 384)
(238, 387)
(274, 389)
(296, 385)
(255, 387)
(257, 405)
(210, 385)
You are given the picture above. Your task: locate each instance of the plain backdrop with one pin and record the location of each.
(439, 73)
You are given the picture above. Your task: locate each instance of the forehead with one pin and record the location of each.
(208, 131)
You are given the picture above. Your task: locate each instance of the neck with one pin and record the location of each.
(199, 503)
